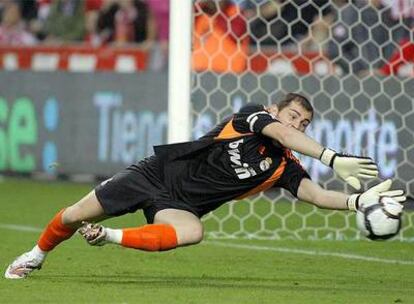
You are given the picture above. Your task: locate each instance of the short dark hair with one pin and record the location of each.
(293, 97)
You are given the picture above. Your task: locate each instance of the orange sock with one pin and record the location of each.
(55, 233)
(155, 237)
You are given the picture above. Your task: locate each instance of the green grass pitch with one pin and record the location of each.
(215, 271)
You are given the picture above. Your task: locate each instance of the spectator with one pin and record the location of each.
(318, 36)
(360, 36)
(66, 21)
(35, 13)
(282, 22)
(402, 12)
(220, 39)
(104, 31)
(92, 8)
(161, 10)
(400, 57)
(265, 24)
(93, 5)
(3, 5)
(28, 9)
(12, 28)
(126, 22)
(43, 9)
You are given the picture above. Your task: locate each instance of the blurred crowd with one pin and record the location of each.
(96, 22)
(357, 35)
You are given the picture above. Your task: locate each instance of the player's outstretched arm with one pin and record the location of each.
(348, 167)
(313, 193)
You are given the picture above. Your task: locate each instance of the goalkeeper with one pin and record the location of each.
(248, 153)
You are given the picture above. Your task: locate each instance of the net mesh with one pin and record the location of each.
(351, 59)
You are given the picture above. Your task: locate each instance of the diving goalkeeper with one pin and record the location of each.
(248, 153)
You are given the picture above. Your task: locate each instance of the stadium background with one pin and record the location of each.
(84, 92)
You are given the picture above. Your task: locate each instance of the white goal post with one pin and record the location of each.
(179, 71)
(360, 109)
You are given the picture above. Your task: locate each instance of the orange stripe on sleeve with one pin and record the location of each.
(267, 183)
(229, 132)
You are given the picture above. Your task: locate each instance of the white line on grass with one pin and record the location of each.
(20, 228)
(311, 252)
(260, 248)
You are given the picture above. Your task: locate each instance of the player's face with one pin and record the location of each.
(294, 115)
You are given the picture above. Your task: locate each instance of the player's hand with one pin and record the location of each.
(373, 194)
(349, 167)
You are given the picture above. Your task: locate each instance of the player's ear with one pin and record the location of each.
(273, 109)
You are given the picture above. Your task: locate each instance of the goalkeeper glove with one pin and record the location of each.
(373, 195)
(348, 167)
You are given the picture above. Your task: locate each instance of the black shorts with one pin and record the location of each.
(137, 187)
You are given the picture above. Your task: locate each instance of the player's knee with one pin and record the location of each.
(198, 234)
(190, 234)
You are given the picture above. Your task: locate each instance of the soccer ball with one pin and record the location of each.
(380, 220)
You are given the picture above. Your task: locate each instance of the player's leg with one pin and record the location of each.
(60, 228)
(171, 228)
(87, 209)
(188, 227)
(68, 220)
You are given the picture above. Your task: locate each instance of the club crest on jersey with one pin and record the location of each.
(265, 164)
(243, 170)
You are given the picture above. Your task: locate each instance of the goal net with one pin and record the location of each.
(348, 58)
